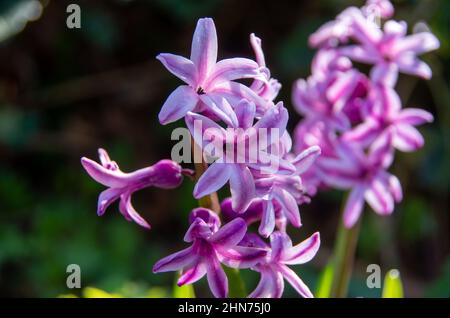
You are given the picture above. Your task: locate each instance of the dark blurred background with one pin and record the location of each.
(66, 92)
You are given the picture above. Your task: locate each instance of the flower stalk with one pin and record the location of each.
(344, 257)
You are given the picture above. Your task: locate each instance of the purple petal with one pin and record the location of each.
(232, 69)
(257, 48)
(409, 64)
(193, 274)
(245, 112)
(364, 133)
(407, 138)
(303, 252)
(204, 47)
(354, 206)
(296, 282)
(241, 256)
(218, 105)
(414, 117)
(205, 131)
(306, 158)
(289, 207)
(180, 101)
(217, 280)
(359, 54)
(271, 285)
(385, 74)
(275, 118)
(379, 198)
(175, 261)
(106, 198)
(127, 210)
(210, 217)
(395, 188)
(212, 180)
(418, 43)
(179, 66)
(267, 224)
(109, 178)
(280, 244)
(230, 234)
(242, 187)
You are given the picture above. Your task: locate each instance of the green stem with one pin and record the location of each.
(343, 257)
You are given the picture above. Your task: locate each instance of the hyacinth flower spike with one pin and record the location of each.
(165, 174)
(275, 269)
(208, 81)
(367, 178)
(211, 246)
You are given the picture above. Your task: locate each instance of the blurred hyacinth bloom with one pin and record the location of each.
(165, 174)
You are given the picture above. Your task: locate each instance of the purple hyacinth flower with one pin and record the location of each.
(208, 81)
(165, 174)
(275, 269)
(390, 45)
(366, 176)
(235, 166)
(211, 246)
(387, 119)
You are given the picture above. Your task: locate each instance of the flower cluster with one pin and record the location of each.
(252, 154)
(358, 119)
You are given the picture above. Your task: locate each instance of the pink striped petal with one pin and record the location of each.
(303, 252)
(364, 133)
(233, 69)
(217, 280)
(175, 261)
(379, 198)
(106, 198)
(305, 159)
(289, 207)
(128, 211)
(230, 234)
(241, 256)
(180, 66)
(242, 187)
(204, 47)
(280, 244)
(407, 138)
(245, 112)
(193, 274)
(271, 285)
(182, 100)
(219, 106)
(109, 178)
(213, 179)
(418, 43)
(296, 282)
(267, 224)
(414, 117)
(354, 206)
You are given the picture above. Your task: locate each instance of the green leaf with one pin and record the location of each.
(185, 291)
(393, 287)
(323, 289)
(236, 286)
